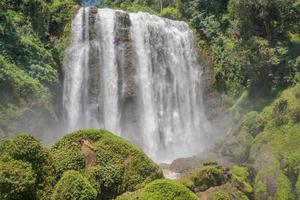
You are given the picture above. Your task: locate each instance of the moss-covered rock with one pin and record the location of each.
(210, 175)
(237, 145)
(73, 186)
(275, 150)
(161, 190)
(119, 166)
(241, 179)
(223, 192)
(166, 190)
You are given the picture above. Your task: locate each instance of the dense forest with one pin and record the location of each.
(251, 55)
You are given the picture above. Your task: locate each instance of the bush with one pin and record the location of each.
(241, 176)
(171, 13)
(166, 190)
(120, 166)
(107, 180)
(73, 186)
(27, 149)
(17, 180)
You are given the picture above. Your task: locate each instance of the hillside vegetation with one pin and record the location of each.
(33, 36)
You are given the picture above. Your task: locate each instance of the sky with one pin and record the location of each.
(90, 2)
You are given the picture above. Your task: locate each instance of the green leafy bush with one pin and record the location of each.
(73, 186)
(166, 190)
(107, 180)
(27, 149)
(161, 190)
(120, 166)
(241, 178)
(17, 180)
(171, 13)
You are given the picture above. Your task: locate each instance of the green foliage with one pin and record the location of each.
(270, 19)
(73, 186)
(275, 150)
(67, 156)
(237, 147)
(120, 166)
(28, 150)
(166, 190)
(209, 175)
(21, 84)
(297, 186)
(241, 175)
(171, 13)
(33, 36)
(17, 180)
(221, 196)
(107, 180)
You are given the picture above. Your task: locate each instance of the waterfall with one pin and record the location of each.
(138, 76)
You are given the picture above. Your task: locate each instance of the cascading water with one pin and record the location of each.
(138, 76)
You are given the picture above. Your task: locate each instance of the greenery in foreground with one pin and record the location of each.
(252, 48)
(30, 171)
(119, 170)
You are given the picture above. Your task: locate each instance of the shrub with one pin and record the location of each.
(166, 190)
(73, 186)
(171, 13)
(107, 180)
(17, 180)
(120, 166)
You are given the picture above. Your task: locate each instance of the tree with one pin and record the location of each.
(17, 180)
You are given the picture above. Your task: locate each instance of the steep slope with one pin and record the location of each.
(33, 35)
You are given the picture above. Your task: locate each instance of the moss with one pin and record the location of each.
(131, 195)
(252, 123)
(73, 186)
(120, 165)
(166, 190)
(271, 182)
(221, 196)
(223, 192)
(209, 175)
(280, 139)
(237, 147)
(241, 175)
(285, 190)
